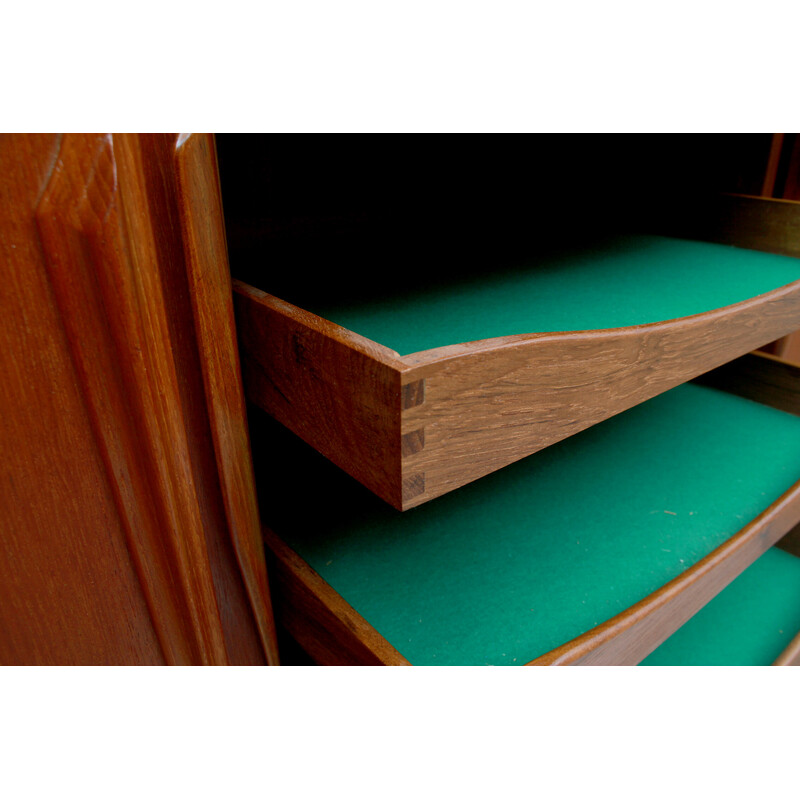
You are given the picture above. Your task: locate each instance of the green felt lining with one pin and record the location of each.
(749, 623)
(511, 566)
(621, 281)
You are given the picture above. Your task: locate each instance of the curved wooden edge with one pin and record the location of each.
(790, 657)
(328, 628)
(333, 632)
(415, 427)
(212, 303)
(411, 433)
(413, 365)
(632, 635)
(505, 399)
(435, 357)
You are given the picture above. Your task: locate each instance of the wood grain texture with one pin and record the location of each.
(416, 427)
(70, 592)
(336, 390)
(212, 302)
(108, 218)
(771, 170)
(623, 640)
(629, 637)
(756, 223)
(334, 633)
(412, 428)
(790, 657)
(490, 403)
(786, 187)
(321, 621)
(769, 380)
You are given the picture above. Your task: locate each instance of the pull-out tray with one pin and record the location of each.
(423, 390)
(593, 551)
(750, 623)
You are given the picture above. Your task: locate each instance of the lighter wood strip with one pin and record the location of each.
(632, 635)
(493, 402)
(328, 628)
(486, 404)
(212, 304)
(339, 392)
(771, 172)
(790, 657)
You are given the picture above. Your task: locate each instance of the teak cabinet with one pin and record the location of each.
(539, 469)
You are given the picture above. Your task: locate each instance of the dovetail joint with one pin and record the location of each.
(412, 442)
(413, 394)
(413, 485)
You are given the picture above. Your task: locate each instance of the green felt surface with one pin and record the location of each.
(511, 566)
(622, 281)
(749, 623)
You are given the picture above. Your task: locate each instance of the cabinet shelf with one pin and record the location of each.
(750, 623)
(593, 551)
(511, 364)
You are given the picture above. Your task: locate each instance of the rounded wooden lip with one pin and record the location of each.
(445, 352)
(479, 346)
(755, 534)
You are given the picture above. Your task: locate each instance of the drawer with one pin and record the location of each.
(593, 551)
(428, 387)
(750, 623)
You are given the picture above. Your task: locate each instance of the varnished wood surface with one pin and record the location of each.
(310, 603)
(790, 657)
(336, 390)
(321, 621)
(212, 302)
(103, 274)
(333, 633)
(69, 587)
(477, 406)
(786, 187)
(490, 403)
(771, 170)
(631, 636)
(756, 223)
(789, 347)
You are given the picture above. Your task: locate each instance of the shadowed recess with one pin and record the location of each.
(613, 283)
(507, 568)
(622, 281)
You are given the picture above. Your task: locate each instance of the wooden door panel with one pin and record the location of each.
(70, 591)
(129, 513)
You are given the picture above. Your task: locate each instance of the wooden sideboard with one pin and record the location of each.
(130, 532)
